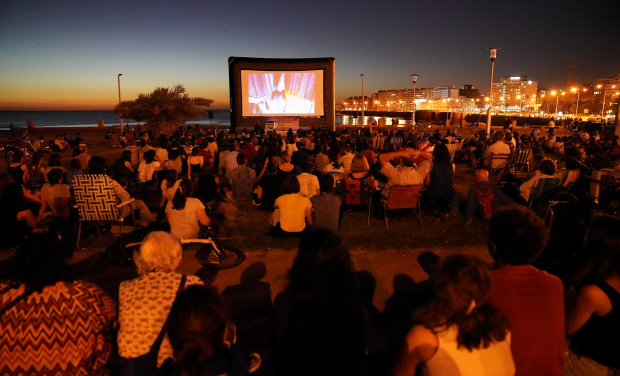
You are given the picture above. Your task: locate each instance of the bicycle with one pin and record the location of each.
(212, 253)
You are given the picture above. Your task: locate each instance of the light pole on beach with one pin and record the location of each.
(414, 78)
(119, 100)
(493, 56)
(363, 100)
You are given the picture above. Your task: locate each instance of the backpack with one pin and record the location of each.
(485, 198)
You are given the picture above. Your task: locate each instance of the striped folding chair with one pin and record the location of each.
(96, 202)
(522, 159)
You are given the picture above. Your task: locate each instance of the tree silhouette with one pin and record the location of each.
(163, 110)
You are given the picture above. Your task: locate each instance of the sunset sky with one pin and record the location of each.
(67, 54)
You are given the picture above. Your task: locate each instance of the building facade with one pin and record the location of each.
(514, 94)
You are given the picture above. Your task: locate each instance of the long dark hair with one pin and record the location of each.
(149, 156)
(181, 195)
(322, 264)
(601, 249)
(197, 327)
(171, 177)
(462, 289)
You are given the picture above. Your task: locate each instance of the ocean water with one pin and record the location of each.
(44, 119)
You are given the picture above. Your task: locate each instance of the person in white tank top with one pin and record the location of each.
(461, 333)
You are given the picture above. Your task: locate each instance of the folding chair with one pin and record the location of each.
(542, 185)
(403, 197)
(501, 167)
(523, 158)
(356, 193)
(453, 148)
(96, 201)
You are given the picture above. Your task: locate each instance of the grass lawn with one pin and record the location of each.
(246, 227)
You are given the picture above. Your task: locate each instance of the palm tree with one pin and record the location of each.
(163, 110)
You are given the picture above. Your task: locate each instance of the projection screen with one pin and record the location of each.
(282, 93)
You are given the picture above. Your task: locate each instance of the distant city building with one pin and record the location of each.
(445, 92)
(514, 94)
(609, 85)
(468, 91)
(355, 103)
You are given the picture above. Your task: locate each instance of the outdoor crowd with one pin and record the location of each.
(467, 319)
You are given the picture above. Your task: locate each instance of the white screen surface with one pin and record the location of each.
(282, 93)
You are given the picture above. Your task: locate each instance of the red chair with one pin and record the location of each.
(356, 193)
(403, 197)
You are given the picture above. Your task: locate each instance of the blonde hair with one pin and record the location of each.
(359, 164)
(158, 251)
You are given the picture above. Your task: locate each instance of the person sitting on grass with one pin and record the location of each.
(531, 300)
(460, 332)
(55, 195)
(16, 218)
(169, 186)
(185, 214)
(592, 321)
(484, 197)
(76, 169)
(268, 188)
(293, 211)
(326, 206)
(52, 164)
(147, 167)
(439, 181)
(242, 180)
(308, 182)
(319, 315)
(203, 338)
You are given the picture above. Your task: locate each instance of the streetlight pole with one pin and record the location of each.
(119, 100)
(362, 100)
(493, 56)
(414, 78)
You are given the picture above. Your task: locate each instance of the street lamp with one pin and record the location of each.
(577, 106)
(363, 102)
(414, 78)
(493, 56)
(119, 100)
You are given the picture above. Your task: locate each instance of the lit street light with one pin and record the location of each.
(577, 106)
(119, 99)
(493, 56)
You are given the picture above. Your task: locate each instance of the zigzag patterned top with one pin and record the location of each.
(63, 330)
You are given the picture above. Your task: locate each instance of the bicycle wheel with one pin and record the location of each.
(121, 253)
(230, 258)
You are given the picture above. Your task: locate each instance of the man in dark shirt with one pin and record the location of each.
(269, 187)
(300, 156)
(597, 161)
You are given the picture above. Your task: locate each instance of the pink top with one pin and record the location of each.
(533, 303)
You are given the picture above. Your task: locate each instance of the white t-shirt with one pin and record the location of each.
(146, 170)
(308, 183)
(50, 193)
(184, 223)
(495, 360)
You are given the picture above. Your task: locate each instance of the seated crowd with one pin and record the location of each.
(469, 318)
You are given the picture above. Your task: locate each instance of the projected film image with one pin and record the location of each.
(290, 93)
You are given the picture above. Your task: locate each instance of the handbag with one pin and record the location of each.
(144, 365)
